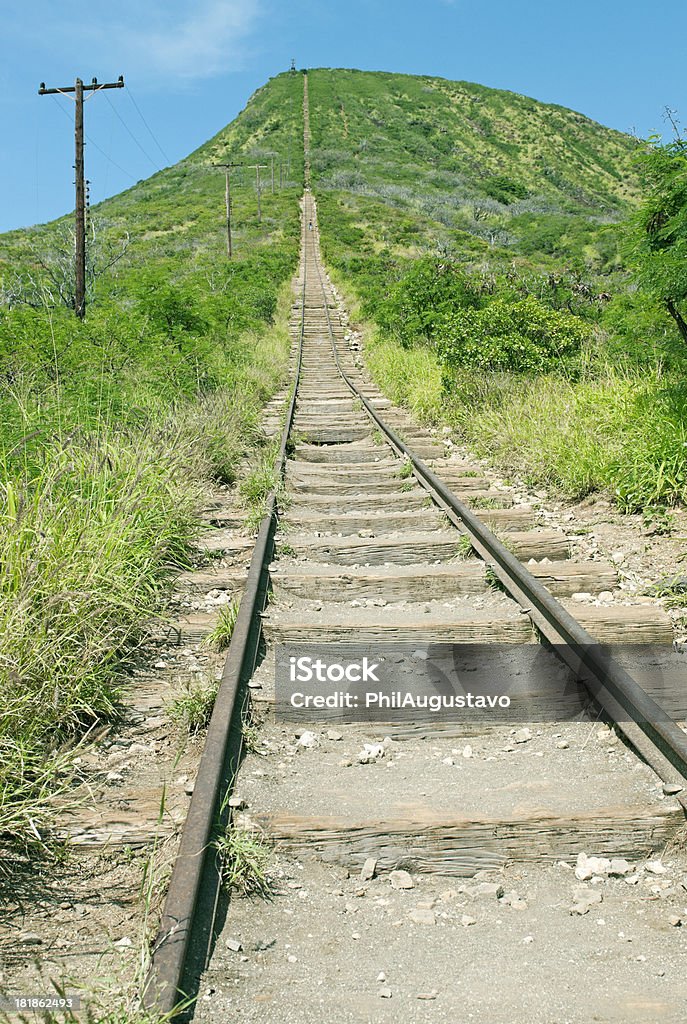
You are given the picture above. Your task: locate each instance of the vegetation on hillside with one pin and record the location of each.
(112, 427)
(522, 267)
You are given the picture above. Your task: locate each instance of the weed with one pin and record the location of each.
(244, 857)
(658, 520)
(673, 590)
(193, 708)
(464, 548)
(492, 580)
(406, 469)
(220, 635)
(484, 501)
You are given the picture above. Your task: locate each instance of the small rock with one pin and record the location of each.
(675, 921)
(384, 993)
(141, 748)
(562, 745)
(605, 595)
(584, 900)
(522, 736)
(582, 597)
(467, 750)
(307, 739)
(371, 752)
(124, 942)
(30, 939)
(234, 944)
(333, 735)
(427, 995)
(421, 915)
(188, 788)
(619, 867)
(466, 920)
(114, 777)
(655, 867)
(490, 889)
(401, 880)
(381, 976)
(528, 939)
(671, 788)
(368, 869)
(587, 867)
(448, 760)
(237, 803)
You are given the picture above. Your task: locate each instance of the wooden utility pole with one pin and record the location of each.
(281, 174)
(272, 162)
(227, 199)
(258, 168)
(78, 89)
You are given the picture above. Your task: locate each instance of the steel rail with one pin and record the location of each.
(165, 989)
(610, 684)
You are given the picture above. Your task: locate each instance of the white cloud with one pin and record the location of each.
(194, 40)
(150, 38)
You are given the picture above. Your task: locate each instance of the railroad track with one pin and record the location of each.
(368, 549)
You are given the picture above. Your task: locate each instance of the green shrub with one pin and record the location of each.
(431, 288)
(523, 336)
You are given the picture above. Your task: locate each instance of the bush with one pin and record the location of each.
(430, 289)
(523, 336)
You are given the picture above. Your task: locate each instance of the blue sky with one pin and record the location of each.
(192, 64)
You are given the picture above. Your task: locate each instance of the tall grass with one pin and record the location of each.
(622, 430)
(92, 524)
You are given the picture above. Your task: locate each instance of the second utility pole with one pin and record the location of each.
(227, 199)
(258, 168)
(80, 218)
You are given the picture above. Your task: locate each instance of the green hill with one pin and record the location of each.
(446, 144)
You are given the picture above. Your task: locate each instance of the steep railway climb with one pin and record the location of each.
(430, 870)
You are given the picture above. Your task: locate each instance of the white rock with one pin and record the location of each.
(587, 867)
(619, 866)
(371, 752)
(655, 867)
(401, 880)
(584, 899)
(522, 736)
(368, 869)
(467, 750)
(307, 739)
(466, 920)
(422, 915)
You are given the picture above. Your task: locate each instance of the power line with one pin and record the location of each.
(150, 130)
(95, 144)
(146, 155)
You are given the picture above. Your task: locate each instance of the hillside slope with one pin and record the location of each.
(402, 135)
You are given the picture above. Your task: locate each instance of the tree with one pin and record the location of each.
(659, 240)
(50, 281)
